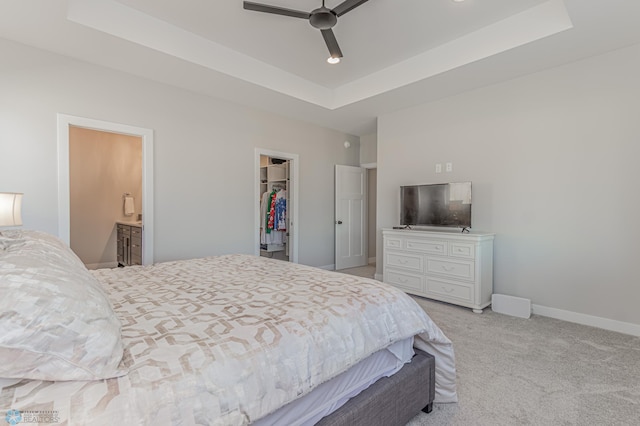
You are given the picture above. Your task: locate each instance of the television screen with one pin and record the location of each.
(443, 204)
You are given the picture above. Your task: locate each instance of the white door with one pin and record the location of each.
(350, 220)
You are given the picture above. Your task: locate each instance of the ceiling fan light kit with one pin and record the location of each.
(321, 18)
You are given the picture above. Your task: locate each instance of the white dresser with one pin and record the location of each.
(444, 265)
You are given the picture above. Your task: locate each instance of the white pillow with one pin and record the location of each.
(56, 322)
(10, 238)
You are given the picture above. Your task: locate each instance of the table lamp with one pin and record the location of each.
(10, 209)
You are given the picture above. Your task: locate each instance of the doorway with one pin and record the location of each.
(65, 122)
(105, 189)
(283, 175)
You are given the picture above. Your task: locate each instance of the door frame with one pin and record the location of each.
(64, 201)
(369, 167)
(293, 181)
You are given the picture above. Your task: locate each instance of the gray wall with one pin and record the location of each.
(368, 156)
(368, 149)
(204, 153)
(553, 158)
(372, 189)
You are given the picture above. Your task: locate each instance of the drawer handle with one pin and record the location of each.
(459, 250)
(448, 268)
(402, 280)
(403, 261)
(446, 289)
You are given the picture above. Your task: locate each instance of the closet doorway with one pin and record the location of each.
(65, 123)
(276, 185)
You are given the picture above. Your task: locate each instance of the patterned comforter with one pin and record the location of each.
(226, 340)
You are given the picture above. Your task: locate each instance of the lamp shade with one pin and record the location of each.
(10, 209)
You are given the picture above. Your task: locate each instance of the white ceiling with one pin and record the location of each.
(397, 53)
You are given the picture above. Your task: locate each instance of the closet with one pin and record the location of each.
(275, 207)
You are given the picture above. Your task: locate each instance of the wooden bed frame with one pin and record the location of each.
(391, 401)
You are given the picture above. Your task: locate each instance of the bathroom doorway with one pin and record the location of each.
(112, 151)
(105, 189)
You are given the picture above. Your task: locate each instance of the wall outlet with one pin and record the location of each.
(449, 167)
(438, 168)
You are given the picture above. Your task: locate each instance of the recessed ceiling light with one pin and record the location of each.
(333, 60)
(458, 1)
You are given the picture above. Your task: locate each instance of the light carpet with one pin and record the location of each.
(537, 371)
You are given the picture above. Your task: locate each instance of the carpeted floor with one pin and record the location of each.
(537, 371)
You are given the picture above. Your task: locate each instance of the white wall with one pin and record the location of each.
(204, 153)
(554, 162)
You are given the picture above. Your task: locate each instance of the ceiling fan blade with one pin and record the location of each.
(276, 10)
(332, 43)
(346, 6)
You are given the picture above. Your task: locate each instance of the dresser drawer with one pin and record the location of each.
(466, 251)
(427, 246)
(407, 261)
(124, 230)
(393, 243)
(454, 268)
(404, 280)
(136, 260)
(136, 231)
(136, 248)
(450, 290)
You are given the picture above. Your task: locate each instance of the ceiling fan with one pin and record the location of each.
(321, 18)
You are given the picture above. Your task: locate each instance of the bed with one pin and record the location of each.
(224, 340)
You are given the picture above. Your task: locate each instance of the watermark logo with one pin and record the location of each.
(13, 417)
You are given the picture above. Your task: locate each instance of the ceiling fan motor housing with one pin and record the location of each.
(323, 18)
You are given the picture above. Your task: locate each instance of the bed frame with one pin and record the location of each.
(391, 401)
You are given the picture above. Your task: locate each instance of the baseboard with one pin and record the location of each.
(378, 277)
(511, 305)
(371, 260)
(593, 321)
(101, 265)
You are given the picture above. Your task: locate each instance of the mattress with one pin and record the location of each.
(334, 393)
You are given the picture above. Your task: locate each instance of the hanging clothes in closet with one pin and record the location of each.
(273, 210)
(280, 223)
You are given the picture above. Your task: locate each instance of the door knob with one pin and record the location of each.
(338, 222)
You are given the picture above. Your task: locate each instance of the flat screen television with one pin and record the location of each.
(441, 204)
